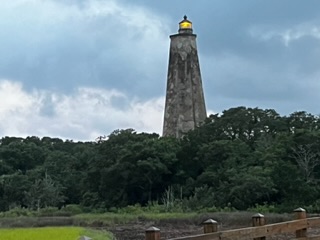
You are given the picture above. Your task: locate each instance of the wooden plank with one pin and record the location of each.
(287, 227)
(208, 236)
(308, 238)
(314, 222)
(314, 238)
(267, 230)
(244, 233)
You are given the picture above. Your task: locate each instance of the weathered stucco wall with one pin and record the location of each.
(185, 106)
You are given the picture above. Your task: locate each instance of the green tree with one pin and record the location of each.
(44, 193)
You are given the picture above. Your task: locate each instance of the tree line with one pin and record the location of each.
(238, 159)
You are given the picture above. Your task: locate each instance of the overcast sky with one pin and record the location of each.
(78, 69)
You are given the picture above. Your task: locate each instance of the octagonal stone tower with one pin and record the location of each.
(185, 106)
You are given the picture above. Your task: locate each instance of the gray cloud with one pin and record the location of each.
(98, 43)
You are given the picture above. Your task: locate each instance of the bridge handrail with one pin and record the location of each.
(259, 231)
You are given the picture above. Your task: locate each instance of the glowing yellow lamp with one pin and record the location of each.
(185, 24)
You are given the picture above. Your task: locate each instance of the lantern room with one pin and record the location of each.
(185, 26)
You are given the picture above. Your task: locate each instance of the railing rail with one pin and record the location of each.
(259, 231)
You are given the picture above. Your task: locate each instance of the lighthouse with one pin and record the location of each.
(185, 105)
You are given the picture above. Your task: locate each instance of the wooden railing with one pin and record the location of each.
(258, 231)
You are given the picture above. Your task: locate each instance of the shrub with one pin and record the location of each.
(73, 209)
(265, 208)
(18, 212)
(131, 209)
(53, 212)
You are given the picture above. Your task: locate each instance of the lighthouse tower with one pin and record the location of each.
(185, 106)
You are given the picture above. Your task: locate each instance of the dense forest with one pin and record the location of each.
(239, 159)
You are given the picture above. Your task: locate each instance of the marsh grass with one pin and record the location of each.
(124, 218)
(110, 219)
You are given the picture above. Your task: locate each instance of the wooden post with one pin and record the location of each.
(153, 233)
(300, 213)
(257, 221)
(210, 226)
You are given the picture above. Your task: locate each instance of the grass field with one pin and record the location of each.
(52, 233)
